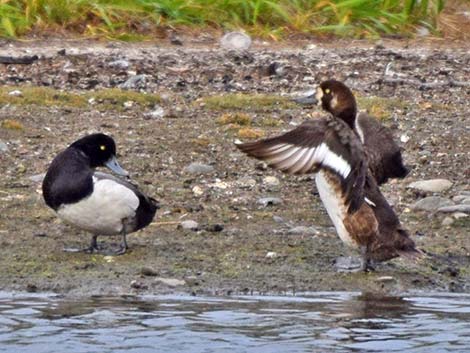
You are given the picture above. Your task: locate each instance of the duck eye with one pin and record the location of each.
(327, 90)
(103, 147)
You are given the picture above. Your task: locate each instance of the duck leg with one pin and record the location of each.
(366, 263)
(123, 247)
(89, 250)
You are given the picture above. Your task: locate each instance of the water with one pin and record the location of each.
(323, 322)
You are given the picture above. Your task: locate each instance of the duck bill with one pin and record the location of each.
(307, 100)
(113, 164)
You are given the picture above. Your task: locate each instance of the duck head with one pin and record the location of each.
(101, 151)
(334, 97)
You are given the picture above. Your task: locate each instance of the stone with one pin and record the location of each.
(189, 224)
(170, 282)
(463, 199)
(433, 185)
(16, 93)
(455, 208)
(3, 147)
(199, 168)
(271, 255)
(302, 230)
(348, 264)
(278, 219)
(269, 201)
(246, 183)
(215, 228)
(147, 271)
(37, 178)
(119, 64)
(459, 215)
(447, 221)
(157, 113)
(385, 279)
(271, 181)
(235, 41)
(431, 203)
(134, 81)
(197, 191)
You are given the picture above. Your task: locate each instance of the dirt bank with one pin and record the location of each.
(187, 105)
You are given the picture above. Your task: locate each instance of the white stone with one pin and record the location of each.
(432, 185)
(197, 190)
(271, 181)
(199, 168)
(189, 224)
(271, 255)
(235, 41)
(170, 282)
(16, 93)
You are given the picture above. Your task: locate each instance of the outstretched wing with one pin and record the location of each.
(321, 144)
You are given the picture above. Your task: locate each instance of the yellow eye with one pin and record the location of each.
(102, 147)
(327, 91)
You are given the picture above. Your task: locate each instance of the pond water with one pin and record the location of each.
(320, 322)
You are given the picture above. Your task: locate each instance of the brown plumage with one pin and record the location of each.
(361, 215)
(383, 154)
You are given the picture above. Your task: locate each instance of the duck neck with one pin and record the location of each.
(348, 115)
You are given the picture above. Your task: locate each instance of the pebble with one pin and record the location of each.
(170, 282)
(459, 215)
(133, 81)
(385, 279)
(302, 230)
(37, 178)
(447, 221)
(269, 201)
(431, 203)
(197, 190)
(157, 113)
(3, 147)
(147, 271)
(138, 285)
(278, 219)
(119, 64)
(16, 93)
(271, 181)
(189, 224)
(465, 199)
(235, 41)
(271, 255)
(246, 183)
(215, 228)
(433, 185)
(455, 208)
(348, 264)
(199, 168)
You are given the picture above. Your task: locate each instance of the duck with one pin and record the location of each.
(361, 215)
(383, 153)
(97, 202)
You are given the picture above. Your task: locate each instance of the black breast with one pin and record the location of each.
(68, 179)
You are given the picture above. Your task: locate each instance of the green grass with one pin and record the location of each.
(246, 102)
(139, 19)
(104, 99)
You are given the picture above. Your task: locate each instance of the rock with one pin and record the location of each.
(271, 181)
(199, 168)
(189, 224)
(404, 138)
(134, 82)
(37, 178)
(278, 219)
(170, 282)
(235, 41)
(246, 183)
(271, 255)
(433, 185)
(463, 199)
(269, 201)
(157, 113)
(455, 208)
(16, 93)
(138, 285)
(348, 264)
(431, 203)
(197, 191)
(302, 230)
(3, 147)
(147, 271)
(219, 184)
(215, 228)
(385, 279)
(459, 215)
(119, 64)
(447, 221)
(128, 104)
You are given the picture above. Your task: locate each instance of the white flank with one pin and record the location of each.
(334, 206)
(369, 202)
(327, 157)
(359, 129)
(104, 210)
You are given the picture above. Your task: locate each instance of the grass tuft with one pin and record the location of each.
(251, 102)
(132, 19)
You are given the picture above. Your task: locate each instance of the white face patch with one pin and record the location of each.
(334, 102)
(319, 95)
(104, 210)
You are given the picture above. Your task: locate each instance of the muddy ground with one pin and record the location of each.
(183, 110)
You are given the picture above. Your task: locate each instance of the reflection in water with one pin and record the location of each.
(324, 322)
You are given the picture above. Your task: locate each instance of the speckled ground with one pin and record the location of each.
(257, 251)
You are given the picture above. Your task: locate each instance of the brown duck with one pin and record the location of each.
(361, 215)
(383, 154)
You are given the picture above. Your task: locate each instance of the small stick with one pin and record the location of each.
(164, 223)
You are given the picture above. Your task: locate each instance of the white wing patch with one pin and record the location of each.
(296, 159)
(369, 202)
(104, 210)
